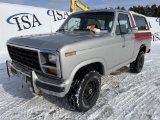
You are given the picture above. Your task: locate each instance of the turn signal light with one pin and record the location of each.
(53, 71)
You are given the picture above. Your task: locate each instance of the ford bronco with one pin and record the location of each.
(88, 45)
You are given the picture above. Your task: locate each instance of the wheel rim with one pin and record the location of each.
(89, 91)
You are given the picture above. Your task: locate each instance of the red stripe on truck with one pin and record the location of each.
(143, 36)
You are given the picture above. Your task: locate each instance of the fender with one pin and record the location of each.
(82, 64)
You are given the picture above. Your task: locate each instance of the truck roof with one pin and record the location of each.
(102, 10)
(109, 10)
(132, 12)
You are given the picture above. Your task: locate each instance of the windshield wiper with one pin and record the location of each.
(61, 30)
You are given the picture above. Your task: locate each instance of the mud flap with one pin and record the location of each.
(33, 83)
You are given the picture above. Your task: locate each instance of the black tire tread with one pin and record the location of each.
(134, 65)
(75, 88)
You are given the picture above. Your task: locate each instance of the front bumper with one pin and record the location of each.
(39, 83)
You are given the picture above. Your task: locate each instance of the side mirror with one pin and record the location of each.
(133, 30)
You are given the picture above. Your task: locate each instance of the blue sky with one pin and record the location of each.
(93, 4)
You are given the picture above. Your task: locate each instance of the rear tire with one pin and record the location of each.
(137, 65)
(85, 91)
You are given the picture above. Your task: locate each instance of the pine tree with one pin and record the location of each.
(122, 8)
(154, 10)
(151, 11)
(148, 11)
(158, 13)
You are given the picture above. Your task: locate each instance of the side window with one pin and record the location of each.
(141, 22)
(73, 22)
(123, 24)
(102, 22)
(94, 22)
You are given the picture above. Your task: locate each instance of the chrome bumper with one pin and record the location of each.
(38, 83)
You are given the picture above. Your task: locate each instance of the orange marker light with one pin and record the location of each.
(70, 53)
(53, 71)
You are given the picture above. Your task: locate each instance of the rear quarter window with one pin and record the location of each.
(141, 23)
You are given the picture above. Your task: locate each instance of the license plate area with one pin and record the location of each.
(21, 76)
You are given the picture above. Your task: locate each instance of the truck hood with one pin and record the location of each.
(52, 41)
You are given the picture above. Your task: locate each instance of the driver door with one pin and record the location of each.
(127, 38)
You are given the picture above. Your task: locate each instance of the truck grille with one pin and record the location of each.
(24, 56)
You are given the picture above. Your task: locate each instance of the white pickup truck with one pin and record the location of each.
(87, 45)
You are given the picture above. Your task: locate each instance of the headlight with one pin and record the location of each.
(52, 58)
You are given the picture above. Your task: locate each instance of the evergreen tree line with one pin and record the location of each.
(151, 11)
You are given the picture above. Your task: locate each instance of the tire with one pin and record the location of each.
(137, 65)
(85, 91)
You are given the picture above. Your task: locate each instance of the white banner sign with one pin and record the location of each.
(18, 20)
(155, 27)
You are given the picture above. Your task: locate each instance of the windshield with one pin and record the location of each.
(86, 21)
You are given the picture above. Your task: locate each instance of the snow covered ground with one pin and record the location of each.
(124, 96)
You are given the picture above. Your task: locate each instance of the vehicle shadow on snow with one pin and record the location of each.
(120, 71)
(60, 102)
(13, 85)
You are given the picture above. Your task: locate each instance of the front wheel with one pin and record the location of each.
(137, 65)
(85, 92)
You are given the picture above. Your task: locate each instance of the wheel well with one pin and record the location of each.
(93, 66)
(143, 48)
